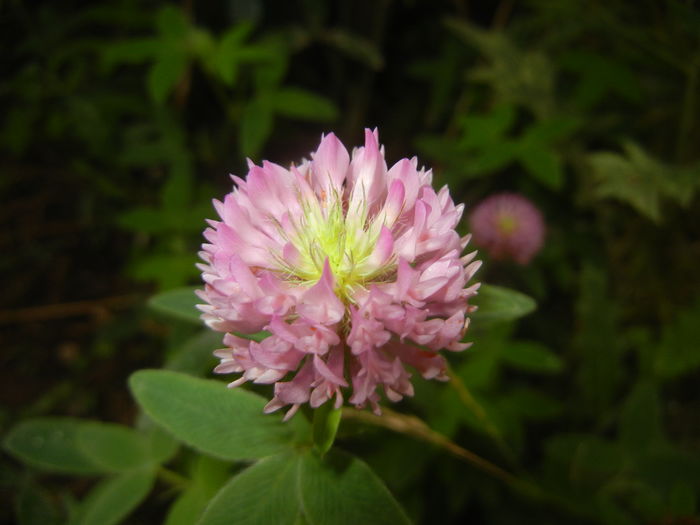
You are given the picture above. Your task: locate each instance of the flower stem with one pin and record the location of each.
(325, 426)
(415, 427)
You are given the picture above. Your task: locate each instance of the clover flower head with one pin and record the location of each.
(354, 269)
(508, 226)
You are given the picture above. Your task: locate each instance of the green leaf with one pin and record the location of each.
(187, 508)
(641, 181)
(113, 499)
(171, 22)
(598, 77)
(610, 511)
(161, 445)
(265, 493)
(531, 356)
(299, 103)
(497, 303)
(179, 303)
(597, 343)
(537, 152)
(640, 421)
(256, 126)
(516, 76)
(682, 499)
(551, 130)
(267, 54)
(113, 447)
(208, 476)
(226, 57)
(493, 44)
(131, 51)
(195, 356)
(678, 351)
(480, 369)
(34, 506)
(488, 129)
(491, 158)
(168, 269)
(201, 44)
(620, 179)
(165, 74)
(270, 56)
(144, 220)
(438, 147)
(543, 163)
(50, 444)
(77, 446)
(291, 488)
(176, 193)
(354, 46)
(594, 461)
(528, 403)
(668, 466)
(342, 490)
(226, 423)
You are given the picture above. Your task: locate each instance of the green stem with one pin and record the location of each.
(172, 478)
(325, 426)
(417, 428)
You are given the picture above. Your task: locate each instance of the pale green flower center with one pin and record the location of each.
(345, 237)
(507, 224)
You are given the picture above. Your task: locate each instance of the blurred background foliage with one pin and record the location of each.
(122, 118)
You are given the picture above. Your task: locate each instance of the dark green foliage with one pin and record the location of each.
(120, 122)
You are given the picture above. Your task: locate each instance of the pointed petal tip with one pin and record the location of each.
(327, 275)
(371, 138)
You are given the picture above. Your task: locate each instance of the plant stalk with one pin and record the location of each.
(415, 427)
(325, 427)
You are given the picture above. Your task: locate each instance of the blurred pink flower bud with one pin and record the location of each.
(355, 269)
(508, 225)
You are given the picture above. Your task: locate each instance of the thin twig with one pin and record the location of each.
(413, 426)
(72, 309)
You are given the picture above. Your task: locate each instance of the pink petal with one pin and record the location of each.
(394, 202)
(319, 303)
(330, 164)
(244, 277)
(275, 354)
(296, 391)
(323, 369)
(383, 250)
(368, 174)
(411, 286)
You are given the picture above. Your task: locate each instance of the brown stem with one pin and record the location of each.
(60, 310)
(413, 426)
